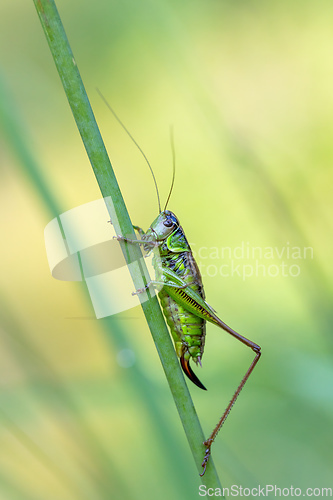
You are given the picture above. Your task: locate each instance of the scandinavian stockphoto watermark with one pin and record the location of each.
(81, 245)
(248, 261)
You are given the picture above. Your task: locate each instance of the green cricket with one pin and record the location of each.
(182, 295)
(183, 302)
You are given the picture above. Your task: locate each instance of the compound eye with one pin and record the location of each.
(168, 223)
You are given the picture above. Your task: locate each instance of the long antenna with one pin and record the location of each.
(173, 165)
(137, 145)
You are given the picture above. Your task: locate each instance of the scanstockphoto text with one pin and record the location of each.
(268, 490)
(248, 261)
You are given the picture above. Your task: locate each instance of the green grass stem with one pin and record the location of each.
(107, 182)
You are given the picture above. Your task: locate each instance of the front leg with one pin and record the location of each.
(139, 230)
(162, 283)
(128, 240)
(139, 242)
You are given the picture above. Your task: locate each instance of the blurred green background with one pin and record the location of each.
(248, 89)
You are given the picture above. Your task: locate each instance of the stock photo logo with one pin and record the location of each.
(81, 246)
(246, 261)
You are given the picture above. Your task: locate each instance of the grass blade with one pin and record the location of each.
(106, 179)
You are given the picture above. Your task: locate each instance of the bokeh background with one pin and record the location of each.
(85, 411)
